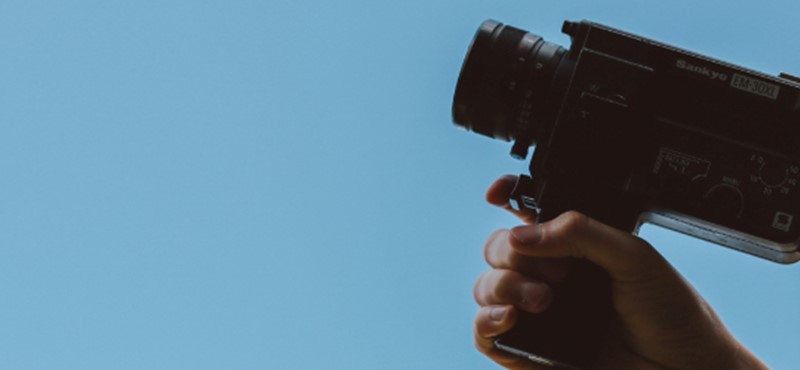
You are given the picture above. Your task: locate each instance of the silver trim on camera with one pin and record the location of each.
(760, 247)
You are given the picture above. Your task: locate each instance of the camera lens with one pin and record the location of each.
(506, 89)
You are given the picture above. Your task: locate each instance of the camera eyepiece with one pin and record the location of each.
(506, 88)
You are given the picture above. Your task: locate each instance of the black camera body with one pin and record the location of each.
(628, 130)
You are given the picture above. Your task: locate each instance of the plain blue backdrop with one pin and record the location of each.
(277, 184)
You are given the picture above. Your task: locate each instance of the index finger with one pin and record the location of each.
(500, 192)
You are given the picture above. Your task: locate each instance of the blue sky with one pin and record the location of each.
(277, 184)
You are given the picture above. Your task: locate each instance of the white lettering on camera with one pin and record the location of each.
(705, 71)
(755, 86)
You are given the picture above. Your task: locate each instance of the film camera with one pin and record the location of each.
(630, 131)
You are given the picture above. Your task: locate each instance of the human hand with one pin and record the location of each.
(663, 322)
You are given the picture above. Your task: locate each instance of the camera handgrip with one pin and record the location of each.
(572, 331)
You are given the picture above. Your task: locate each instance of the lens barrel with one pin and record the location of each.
(506, 87)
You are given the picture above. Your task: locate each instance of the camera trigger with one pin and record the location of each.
(521, 197)
(519, 150)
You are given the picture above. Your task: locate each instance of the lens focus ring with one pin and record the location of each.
(504, 81)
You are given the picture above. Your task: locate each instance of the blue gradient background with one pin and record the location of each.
(277, 184)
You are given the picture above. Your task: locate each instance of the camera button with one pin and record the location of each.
(725, 200)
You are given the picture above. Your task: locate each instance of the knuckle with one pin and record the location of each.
(481, 346)
(502, 290)
(477, 289)
(488, 246)
(574, 220)
(568, 223)
(495, 286)
(481, 319)
(481, 339)
(497, 252)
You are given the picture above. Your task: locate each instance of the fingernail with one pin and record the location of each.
(529, 234)
(531, 294)
(498, 313)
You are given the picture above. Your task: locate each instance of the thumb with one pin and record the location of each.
(624, 256)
